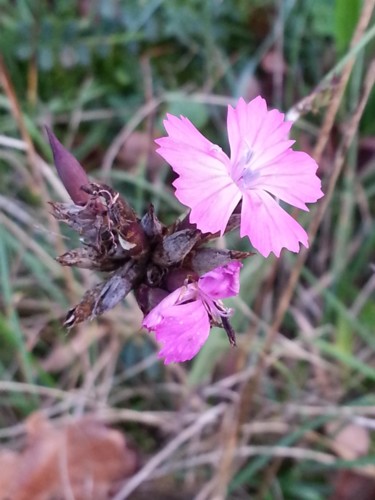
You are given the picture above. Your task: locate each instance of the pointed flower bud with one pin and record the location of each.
(69, 169)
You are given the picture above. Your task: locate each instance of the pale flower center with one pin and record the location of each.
(215, 308)
(247, 173)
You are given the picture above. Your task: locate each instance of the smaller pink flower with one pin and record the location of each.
(261, 170)
(182, 321)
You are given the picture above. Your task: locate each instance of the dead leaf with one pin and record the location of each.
(350, 485)
(83, 460)
(8, 464)
(350, 441)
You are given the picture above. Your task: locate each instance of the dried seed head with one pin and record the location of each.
(174, 247)
(141, 254)
(105, 295)
(69, 169)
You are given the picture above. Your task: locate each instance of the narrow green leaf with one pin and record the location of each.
(346, 17)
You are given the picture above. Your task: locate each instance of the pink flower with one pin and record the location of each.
(262, 166)
(182, 321)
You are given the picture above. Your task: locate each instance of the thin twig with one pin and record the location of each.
(141, 476)
(212, 458)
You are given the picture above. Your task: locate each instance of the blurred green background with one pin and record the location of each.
(103, 74)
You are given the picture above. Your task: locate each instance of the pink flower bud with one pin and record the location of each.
(70, 171)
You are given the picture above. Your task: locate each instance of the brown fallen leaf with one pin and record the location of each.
(83, 460)
(349, 485)
(350, 441)
(8, 464)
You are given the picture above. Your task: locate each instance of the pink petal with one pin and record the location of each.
(182, 135)
(292, 178)
(158, 313)
(182, 332)
(272, 130)
(270, 154)
(182, 131)
(211, 201)
(222, 282)
(204, 184)
(251, 126)
(268, 226)
(243, 122)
